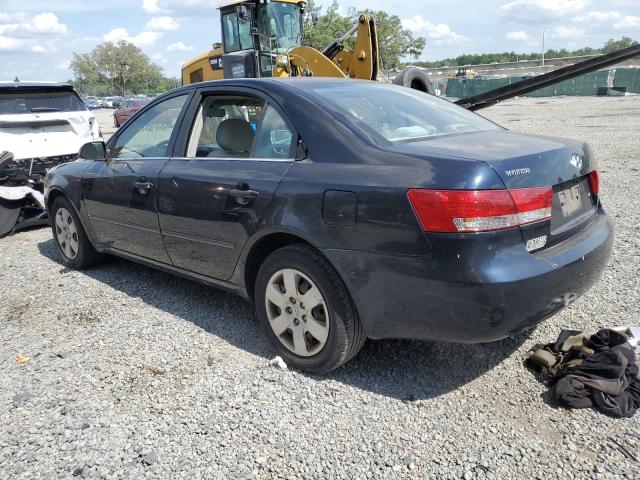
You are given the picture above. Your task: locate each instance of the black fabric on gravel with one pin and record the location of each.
(606, 379)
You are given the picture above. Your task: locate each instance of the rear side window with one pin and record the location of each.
(149, 134)
(400, 114)
(39, 101)
(239, 127)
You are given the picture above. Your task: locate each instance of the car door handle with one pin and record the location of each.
(247, 194)
(143, 187)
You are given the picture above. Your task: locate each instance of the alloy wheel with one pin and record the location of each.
(66, 233)
(297, 312)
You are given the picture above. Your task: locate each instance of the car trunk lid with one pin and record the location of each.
(527, 161)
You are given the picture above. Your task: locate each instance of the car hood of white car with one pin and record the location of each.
(47, 134)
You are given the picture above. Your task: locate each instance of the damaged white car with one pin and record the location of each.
(42, 124)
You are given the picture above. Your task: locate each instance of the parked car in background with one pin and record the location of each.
(106, 102)
(118, 101)
(344, 209)
(127, 109)
(93, 104)
(43, 123)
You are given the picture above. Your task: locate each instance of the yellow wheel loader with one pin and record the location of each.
(262, 38)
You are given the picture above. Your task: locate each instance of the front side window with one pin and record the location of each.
(400, 114)
(236, 32)
(149, 134)
(39, 101)
(239, 127)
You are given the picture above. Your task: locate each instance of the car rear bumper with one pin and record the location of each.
(475, 288)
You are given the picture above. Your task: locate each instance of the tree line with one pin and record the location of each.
(485, 58)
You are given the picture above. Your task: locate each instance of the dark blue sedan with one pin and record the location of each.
(343, 210)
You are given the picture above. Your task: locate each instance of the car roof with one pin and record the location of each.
(291, 83)
(9, 85)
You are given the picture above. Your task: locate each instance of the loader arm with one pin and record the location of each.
(337, 61)
(483, 100)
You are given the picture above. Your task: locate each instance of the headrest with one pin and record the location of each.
(216, 112)
(235, 135)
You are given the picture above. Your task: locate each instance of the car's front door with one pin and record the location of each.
(213, 196)
(120, 194)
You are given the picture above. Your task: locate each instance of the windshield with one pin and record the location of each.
(39, 101)
(279, 26)
(400, 114)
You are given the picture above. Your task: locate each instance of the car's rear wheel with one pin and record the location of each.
(70, 238)
(306, 311)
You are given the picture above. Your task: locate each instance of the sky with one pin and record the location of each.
(38, 38)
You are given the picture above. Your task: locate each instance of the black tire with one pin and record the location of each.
(346, 335)
(85, 255)
(415, 78)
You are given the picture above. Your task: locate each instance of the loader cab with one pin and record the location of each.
(255, 33)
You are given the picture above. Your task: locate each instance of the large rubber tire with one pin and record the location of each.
(346, 335)
(85, 254)
(415, 78)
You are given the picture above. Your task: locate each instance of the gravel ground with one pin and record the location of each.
(134, 373)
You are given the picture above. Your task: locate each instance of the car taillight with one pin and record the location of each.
(480, 210)
(594, 181)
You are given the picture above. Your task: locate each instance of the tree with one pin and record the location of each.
(394, 42)
(613, 45)
(111, 68)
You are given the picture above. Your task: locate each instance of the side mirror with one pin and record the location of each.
(93, 151)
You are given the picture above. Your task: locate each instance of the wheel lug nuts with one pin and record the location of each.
(296, 322)
(301, 305)
(292, 300)
(304, 318)
(289, 310)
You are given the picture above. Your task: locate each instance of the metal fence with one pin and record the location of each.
(625, 79)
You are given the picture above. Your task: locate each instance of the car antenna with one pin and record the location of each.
(17, 80)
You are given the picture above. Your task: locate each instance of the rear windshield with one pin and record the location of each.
(39, 101)
(400, 114)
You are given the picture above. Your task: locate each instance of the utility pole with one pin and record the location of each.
(543, 32)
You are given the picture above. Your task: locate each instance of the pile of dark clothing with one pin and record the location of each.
(599, 370)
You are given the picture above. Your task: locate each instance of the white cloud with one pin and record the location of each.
(10, 44)
(567, 33)
(150, 6)
(159, 58)
(627, 22)
(440, 33)
(541, 11)
(143, 39)
(179, 47)
(21, 24)
(598, 17)
(162, 23)
(65, 65)
(181, 7)
(518, 36)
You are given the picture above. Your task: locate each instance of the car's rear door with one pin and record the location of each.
(120, 194)
(216, 189)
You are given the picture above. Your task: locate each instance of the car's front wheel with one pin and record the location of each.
(306, 311)
(69, 236)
